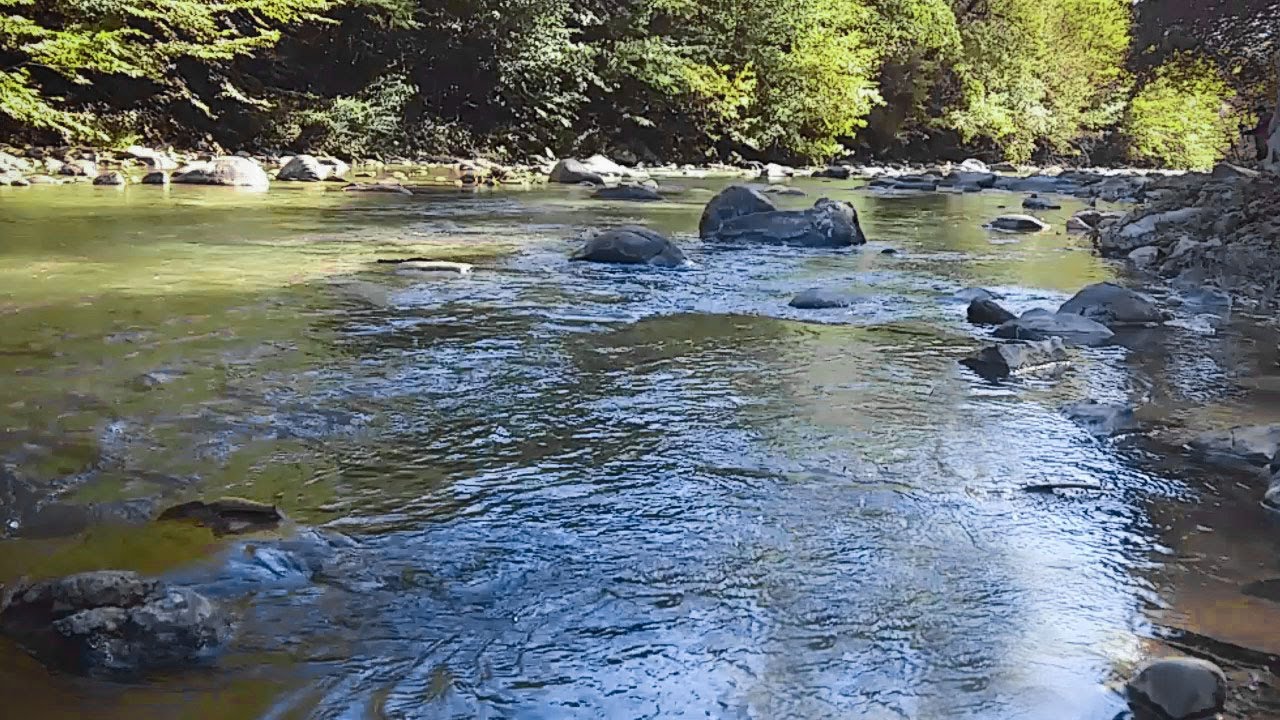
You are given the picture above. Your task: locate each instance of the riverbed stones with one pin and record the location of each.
(110, 178)
(13, 163)
(999, 361)
(732, 202)
(822, 299)
(828, 224)
(1018, 223)
(631, 245)
(226, 516)
(983, 311)
(1113, 306)
(1180, 688)
(1248, 445)
(303, 168)
(1042, 325)
(632, 193)
(231, 171)
(111, 623)
(1102, 419)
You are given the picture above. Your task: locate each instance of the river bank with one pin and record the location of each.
(542, 466)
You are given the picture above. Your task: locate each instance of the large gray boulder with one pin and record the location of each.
(1177, 689)
(574, 172)
(987, 312)
(633, 193)
(304, 168)
(1018, 223)
(154, 159)
(111, 622)
(1250, 445)
(980, 180)
(631, 245)
(996, 362)
(732, 202)
(231, 171)
(821, 299)
(1113, 306)
(1042, 325)
(828, 224)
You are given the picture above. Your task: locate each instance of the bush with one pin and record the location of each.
(1180, 117)
(368, 123)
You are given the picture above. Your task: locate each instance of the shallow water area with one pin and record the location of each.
(575, 490)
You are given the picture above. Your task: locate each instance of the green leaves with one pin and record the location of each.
(1180, 118)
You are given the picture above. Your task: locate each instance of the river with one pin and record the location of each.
(565, 490)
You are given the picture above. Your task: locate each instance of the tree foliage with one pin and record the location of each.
(1180, 118)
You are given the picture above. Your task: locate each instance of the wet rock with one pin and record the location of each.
(1117, 189)
(304, 168)
(821, 299)
(110, 178)
(1113, 306)
(996, 362)
(230, 171)
(1206, 299)
(1251, 445)
(635, 193)
(835, 172)
(154, 159)
(1272, 498)
(1018, 223)
(226, 516)
(338, 169)
(573, 172)
(1036, 184)
(13, 163)
(388, 186)
(828, 224)
(1124, 236)
(968, 295)
(1177, 689)
(970, 179)
(1035, 202)
(987, 312)
(631, 245)
(156, 178)
(922, 185)
(43, 180)
(110, 622)
(1102, 419)
(80, 168)
(1144, 256)
(1042, 325)
(732, 202)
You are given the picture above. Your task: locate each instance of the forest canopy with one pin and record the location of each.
(691, 80)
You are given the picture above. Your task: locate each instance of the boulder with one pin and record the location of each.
(1018, 223)
(821, 299)
(154, 159)
(304, 168)
(44, 180)
(1177, 689)
(973, 165)
(996, 362)
(233, 171)
(913, 184)
(110, 178)
(836, 172)
(637, 193)
(976, 180)
(1144, 256)
(1225, 170)
(156, 177)
(1035, 202)
(1042, 325)
(13, 163)
(1117, 188)
(987, 312)
(111, 622)
(631, 245)
(79, 168)
(574, 172)
(828, 224)
(1102, 419)
(338, 169)
(1250, 445)
(1122, 237)
(1036, 184)
(732, 202)
(226, 516)
(774, 170)
(1113, 306)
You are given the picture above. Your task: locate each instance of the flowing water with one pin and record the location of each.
(562, 490)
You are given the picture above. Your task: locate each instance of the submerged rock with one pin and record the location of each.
(111, 178)
(1035, 202)
(1113, 306)
(636, 193)
(732, 202)
(226, 516)
(233, 171)
(1041, 325)
(820, 299)
(111, 622)
(1177, 689)
(1102, 419)
(1018, 223)
(631, 245)
(828, 224)
(1251, 445)
(996, 362)
(916, 184)
(987, 312)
